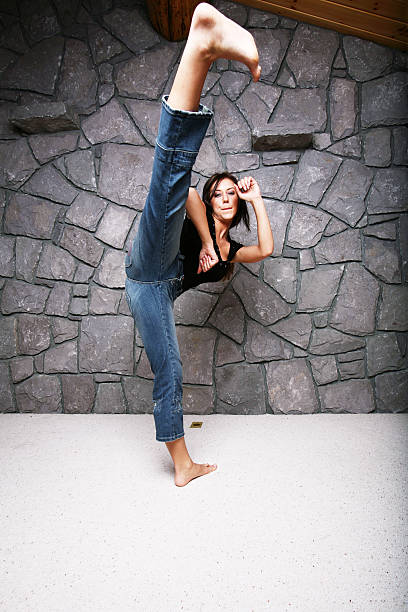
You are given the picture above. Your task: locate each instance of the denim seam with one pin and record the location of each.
(178, 112)
(169, 439)
(176, 150)
(170, 352)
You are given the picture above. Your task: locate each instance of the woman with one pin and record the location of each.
(157, 271)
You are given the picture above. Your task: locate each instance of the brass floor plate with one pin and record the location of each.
(196, 424)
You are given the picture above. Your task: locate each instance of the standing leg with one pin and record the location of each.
(212, 36)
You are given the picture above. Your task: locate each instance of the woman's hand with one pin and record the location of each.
(207, 258)
(248, 189)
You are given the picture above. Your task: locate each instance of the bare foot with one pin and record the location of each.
(183, 476)
(221, 37)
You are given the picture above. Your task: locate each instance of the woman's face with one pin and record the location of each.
(225, 201)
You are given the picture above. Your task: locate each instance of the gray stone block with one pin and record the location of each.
(296, 329)
(351, 369)
(33, 217)
(242, 162)
(286, 79)
(110, 399)
(348, 147)
(106, 344)
(98, 378)
(400, 136)
(351, 356)
(80, 290)
(208, 160)
(55, 263)
(80, 169)
(63, 329)
(306, 261)
(365, 59)
(347, 396)
(281, 275)
(86, 210)
(36, 70)
(262, 345)
(320, 319)
(79, 306)
(383, 353)
(193, 308)
(269, 138)
(78, 79)
(257, 104)
(8, 337)
(115, 225)
(132, 28)
(311, 54)
(47, 182)
(324, 369)
(104, 301)
(382, 259)
(259, 18)
(335, 226)
(345, 197)
(196, 351)
(306, 227)
(260, 302)
(355, 307)
(340, 247)
(47, 117)
(384, 101)
(233, 83)
(33, 334)
(39, 393)
(78, 392)
(228, 352)
(47, 146)
(229, 317)
(125, 173)
(111, 122)
(103, 45)
(111, 270)
(144, 76)
(315, 173)
(138, 393)
(240, 389)
(387, 230)
(318, 288)
(82, 245)
(392, 391)
(328, 341)
(277, 158)
(62, 358)
(389, 192)
(231, 131)
(18, 296)
(377, 147)
(301, 110)
(7, 259)
(393, 309)
(7, 400)
(272, 46)
(106, 91)
(274, 181)
(146, 115)
(83, 273)
(197, 400)
(290, 387)
(21, 368)
(17, 163)
(58, 301)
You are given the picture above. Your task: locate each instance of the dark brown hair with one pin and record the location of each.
(210, 188)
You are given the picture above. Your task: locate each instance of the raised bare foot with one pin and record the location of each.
(184, 475)
(222, 37)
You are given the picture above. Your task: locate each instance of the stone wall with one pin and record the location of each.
(319, 326)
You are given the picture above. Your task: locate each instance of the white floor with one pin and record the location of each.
(305, 513)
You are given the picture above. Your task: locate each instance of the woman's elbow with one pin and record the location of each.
(267, 250)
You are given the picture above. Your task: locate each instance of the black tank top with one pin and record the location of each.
(190, 247)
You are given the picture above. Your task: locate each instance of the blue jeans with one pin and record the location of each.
(154, 266)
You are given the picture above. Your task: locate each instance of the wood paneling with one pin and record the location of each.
(383, 21)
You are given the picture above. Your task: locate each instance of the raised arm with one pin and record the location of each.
(196, 211)
(248, 189)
